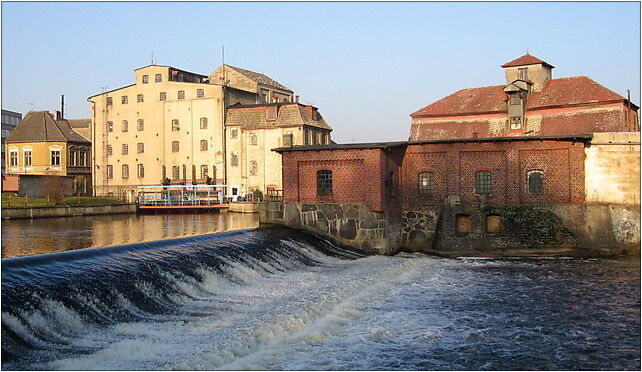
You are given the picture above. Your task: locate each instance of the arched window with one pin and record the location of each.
(535, 182)
(125, 171)
(483, 182)
(324, 183)
(203, 123)
(426, 183)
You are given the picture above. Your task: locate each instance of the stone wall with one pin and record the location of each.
(66, 211)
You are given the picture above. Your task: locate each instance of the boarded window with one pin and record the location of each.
(426, 183)
(535, 182)
(324, 183)
(462, 222)
(493, 223)
(483, 182)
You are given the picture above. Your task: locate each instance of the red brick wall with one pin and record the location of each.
(357, 176)
(454, 166)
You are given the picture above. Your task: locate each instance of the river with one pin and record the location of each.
(280, 299)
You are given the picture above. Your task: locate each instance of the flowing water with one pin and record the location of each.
(279, 299)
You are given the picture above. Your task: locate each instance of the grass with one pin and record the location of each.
(80, 201)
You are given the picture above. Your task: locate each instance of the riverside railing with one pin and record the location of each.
(181, 195)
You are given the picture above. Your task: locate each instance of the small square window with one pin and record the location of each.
(203, 123)
(200, 93)
(123, 100)
(181, 94)
(158, 78)
(110, 101)
(175, 146)
(145, 79)
(139, 98)
(163, 96)
(203, 145)
(234, 133)
(175, 125)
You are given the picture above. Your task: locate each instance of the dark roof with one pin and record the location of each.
(526, 59)
(260, 78)
(288, 115)
(79, 123)
(579, 90)
(585, 137)
(39, 126)
(113, 90)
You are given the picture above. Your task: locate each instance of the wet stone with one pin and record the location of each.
(348, 230)
(308, 207)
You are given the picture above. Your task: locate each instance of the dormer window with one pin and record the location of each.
(523, 73)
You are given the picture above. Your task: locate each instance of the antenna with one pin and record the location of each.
(30, 105)
(152, 57)
(526, 50)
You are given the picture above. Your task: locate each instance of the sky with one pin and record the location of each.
(366, 66)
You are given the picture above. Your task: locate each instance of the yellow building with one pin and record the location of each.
(43, 144)
(254, 130)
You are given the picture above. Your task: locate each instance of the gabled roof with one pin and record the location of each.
(79, 123)
(259, 78)
(557, 92)
(526, 59)
(39, 126)
(289, 114)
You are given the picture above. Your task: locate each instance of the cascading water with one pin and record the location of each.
(279, 299)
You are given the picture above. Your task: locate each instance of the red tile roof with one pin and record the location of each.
(556, 92)
(526, 59)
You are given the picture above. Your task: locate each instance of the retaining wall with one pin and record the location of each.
(66, 211)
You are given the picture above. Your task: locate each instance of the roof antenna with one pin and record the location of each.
(526, 50)
(152, 57)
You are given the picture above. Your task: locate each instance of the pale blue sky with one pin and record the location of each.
(367, 66)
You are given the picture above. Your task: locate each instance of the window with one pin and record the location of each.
(141, 171)
(176, 172)
(234, 161)
(203, 123)
(163, 96)
(125, 149)
(535, 182)
(254, 168)
(181, 94)
(140, 124)
(108, 150)
(324, 183)
(140, 147)
(123, 100)
(55, 157)
(13, 158)
(110, 126)
(204, 172)
(124, 126)
(82, 155)
(110, 101)
(523, 73)
(493, 223)
(200, 93)
(110, 172)
(203, 145)
(125, 171)
(175, 125)
(288, 139)
(27, 158)
(515, 122)
(306, 137)
(315, 138)
(234, 133)
(158, 78)
(253, 139)
(324, 138)
(139, 98)
(72, 158)
(426, 183)
(483, 182)
(175, 146)
(145, 79)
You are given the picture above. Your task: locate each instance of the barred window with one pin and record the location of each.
(426, 183)
(139, 98)
(110, 172)
(483, 182)
(125, 171)
(204, 172)
(176, 172)
(203, 145)
(175, 125)
(234, 161)
(145, 79)
(175, 146)
(163, 96)
(125, 149)
(123, 100)
(181, 94)
(140, 147)
(253, 139)
(141, 171)
(535, 182)
(124, 126)
(200, 93)
(324, 183)
(140, 124)
(108, 150)
(254, 168)
(110, 126)
(203, 123)
(158, 78)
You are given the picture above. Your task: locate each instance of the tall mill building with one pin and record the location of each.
(169, 127)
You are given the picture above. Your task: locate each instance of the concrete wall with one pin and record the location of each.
(17, 213)
(613, 168)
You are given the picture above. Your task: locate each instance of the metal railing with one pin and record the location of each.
(181, 195)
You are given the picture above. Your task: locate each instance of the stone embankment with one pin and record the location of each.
(455, 229)
(66, 211)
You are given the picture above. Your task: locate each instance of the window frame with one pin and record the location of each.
(180, 94)
(145, 79)
(176, 125)
(427, 187)
(324, 183)
(158, 78)
(483, 182)
(200, 93)
(124, 100)
(124, 149)
(25, 157)
(140, 170)
(162, 96)
(125, 171)
(124, 126)
(203, 123)
(540, 187)
(140, 98)
(204, 145)
(140, 125)
(55, 157)
(12, 158)
(140, 148)
(110, 172)
(176, 146)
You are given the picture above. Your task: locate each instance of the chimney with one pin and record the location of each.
(62, 107)
(296, 99)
